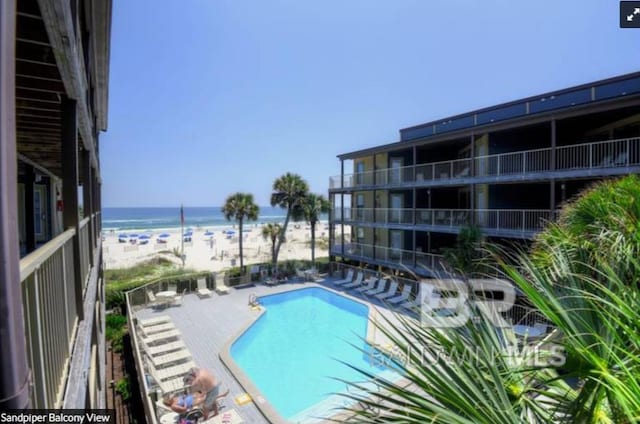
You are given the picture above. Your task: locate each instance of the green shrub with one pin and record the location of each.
(116, 328)
(122, 388)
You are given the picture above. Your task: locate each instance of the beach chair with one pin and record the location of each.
(177, 301)
(161, 337)
(167, 382)
(302, 275)
(152, 300)
(148, 322)
(154, 329)
(378, 289)
(171, 358)
(391, 291)
(203, 291)
(368, 284)
(354, 283)
(170, 372)
(345, 280)
(221, 287)
(404, 295)
(163, 348)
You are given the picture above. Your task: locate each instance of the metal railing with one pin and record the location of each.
(85, 250)
(585, 156)
(526, 220)
(391, 255)
(50, 316)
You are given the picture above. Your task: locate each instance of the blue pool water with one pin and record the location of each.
(291, 352)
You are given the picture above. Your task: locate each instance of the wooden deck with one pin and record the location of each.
(208, 324)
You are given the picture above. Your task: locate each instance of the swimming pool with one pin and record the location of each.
(291, 352)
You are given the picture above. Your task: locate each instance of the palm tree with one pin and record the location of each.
(288, 192)
(240, 206)
(312, 206)
(582, 277)
(270, 232)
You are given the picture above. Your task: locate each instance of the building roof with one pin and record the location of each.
(611, 89)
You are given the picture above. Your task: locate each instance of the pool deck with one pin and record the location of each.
(208, 325)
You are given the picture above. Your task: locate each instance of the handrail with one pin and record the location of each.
(84, 222)
(35, 259)
(497, 156)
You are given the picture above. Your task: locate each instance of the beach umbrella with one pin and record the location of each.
(164, 235)
(208, 233)
(144, 237)
(123, 235)
(133, 236)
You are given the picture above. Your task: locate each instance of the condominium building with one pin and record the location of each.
(54, 75)
(505, 169)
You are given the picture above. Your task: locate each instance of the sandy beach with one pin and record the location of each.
(216, 252)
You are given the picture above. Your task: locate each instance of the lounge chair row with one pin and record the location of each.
(203, 290)
(376, 287)
(167, 358)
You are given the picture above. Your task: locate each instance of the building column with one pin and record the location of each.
(14, 374)
(375, 209)
(472, 194)
(29, 209)
(70, 216)
(552, 183)
(87, 198)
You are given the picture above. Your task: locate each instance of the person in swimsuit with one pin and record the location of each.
(205, 384)
(183, 403)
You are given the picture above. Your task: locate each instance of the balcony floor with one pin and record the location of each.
(208, 324)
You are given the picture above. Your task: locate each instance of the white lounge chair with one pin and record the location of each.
(221, 287)
(171, 358)
(354, 283)
(368, 284)
(404, 295)
(155, 329)
(168, 383)
(168, 373)
(345, 280)
(391, 291)
(382, 283)
(163, 348)
(148, 322)
(177, 300)
(167, 335)
(203, 291)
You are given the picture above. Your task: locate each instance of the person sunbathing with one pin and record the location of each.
(184, 403)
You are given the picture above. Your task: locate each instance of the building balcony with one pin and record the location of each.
(608, 157)
(61, 300)
(501, 222)
(422, 263)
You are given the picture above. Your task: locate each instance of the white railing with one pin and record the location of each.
(394, 216)
(49, 298)
(526, 220)
(429, 261)
(596, 155)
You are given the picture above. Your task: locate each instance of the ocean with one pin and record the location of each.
(148, 219)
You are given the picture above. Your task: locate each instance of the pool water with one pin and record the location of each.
(291, 353)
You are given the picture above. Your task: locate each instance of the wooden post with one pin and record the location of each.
(70, 216)
(14, 374)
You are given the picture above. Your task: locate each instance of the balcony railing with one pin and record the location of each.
(50, 316)
(586, 156)
(525, 220)
(48, 281)
(362, 251)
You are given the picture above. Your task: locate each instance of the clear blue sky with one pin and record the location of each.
(210, 97)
